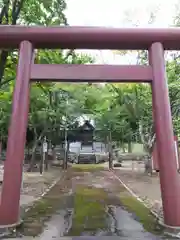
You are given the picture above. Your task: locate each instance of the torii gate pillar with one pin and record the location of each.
(13, 166)
(169, 177)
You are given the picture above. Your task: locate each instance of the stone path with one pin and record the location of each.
(124, 225)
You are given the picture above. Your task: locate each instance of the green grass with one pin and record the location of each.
(90, 211)
(144, 215)
(88, 167)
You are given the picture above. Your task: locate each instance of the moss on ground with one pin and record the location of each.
(34, 220)
(89, 206)
(87, 167)
(130, 203)
(126, 200)
(143, 214)
(90, 211)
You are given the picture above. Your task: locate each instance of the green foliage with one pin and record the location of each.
(123, 110)
(52, 106)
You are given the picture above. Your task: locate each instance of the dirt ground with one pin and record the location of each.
(146, 187)
(35, 184)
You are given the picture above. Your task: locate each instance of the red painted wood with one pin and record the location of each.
(89, 37)
(13, 166)
(88, 73)
(169, 176)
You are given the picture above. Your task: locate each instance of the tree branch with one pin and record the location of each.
(16, 10)
(3, 59)
(5, 82)
(2, 14)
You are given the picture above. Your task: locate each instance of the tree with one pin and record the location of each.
(48, 109)
(28, 12)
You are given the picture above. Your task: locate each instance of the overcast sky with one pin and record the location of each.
(117, 13)
(114, 13)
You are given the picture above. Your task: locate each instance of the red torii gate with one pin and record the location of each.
(155, 157)
(29, 38)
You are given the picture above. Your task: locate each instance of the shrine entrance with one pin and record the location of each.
(29, 38)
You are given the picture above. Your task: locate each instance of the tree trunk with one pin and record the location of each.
(54, 154)
(3, 59)
(68, 146)
(123, 148)
(110, 160)
(46, 159)
(148, 165)
(148, 143)
(32, 161)
(129, 147)
(41, 162)
(65, 162)
(110, 157)
(28, 152)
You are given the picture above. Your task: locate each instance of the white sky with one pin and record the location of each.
(113, 13)
(117, 13)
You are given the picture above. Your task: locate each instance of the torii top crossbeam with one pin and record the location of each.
(89, 37)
